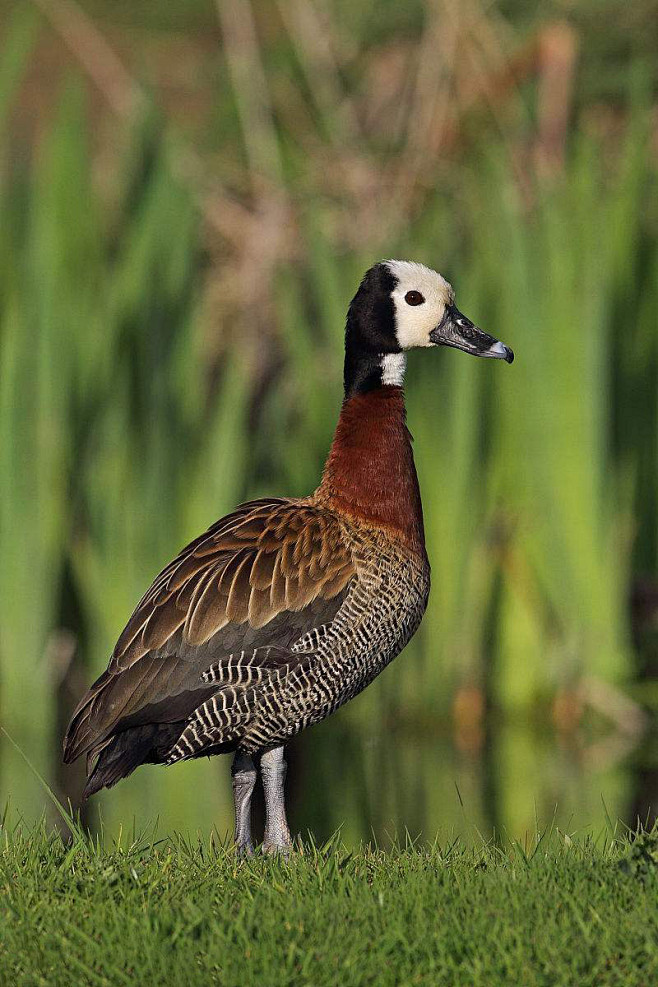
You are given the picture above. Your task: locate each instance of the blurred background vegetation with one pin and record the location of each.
(189, 193)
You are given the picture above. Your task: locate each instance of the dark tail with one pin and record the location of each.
(146, 744)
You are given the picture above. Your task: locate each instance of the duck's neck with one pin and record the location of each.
(370, 473)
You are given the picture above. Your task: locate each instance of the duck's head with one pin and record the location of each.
(401, 305)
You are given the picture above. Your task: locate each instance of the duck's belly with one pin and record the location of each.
(380, 614)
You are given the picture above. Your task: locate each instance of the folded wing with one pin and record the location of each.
(258, 579)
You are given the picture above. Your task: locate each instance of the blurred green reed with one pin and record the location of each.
(117, 446)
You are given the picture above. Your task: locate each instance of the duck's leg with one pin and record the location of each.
(273, 772)
(243, 771)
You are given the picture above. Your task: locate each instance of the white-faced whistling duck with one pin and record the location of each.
(286, 609)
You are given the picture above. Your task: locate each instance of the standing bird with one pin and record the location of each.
(287, 608)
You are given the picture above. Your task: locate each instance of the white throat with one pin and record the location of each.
(393, 368)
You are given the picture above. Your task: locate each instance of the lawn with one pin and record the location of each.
(557, 911)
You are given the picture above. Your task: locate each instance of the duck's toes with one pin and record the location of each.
(244, 849)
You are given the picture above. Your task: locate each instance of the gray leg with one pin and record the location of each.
(273, 773)
(243, 771)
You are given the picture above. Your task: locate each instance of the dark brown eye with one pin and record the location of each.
(414, 298)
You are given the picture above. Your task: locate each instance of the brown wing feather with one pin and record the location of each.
(293, 550)
(263, 575)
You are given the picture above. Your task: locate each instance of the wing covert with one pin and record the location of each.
(266, 557)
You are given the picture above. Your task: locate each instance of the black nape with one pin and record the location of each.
(363, 372)
(370, 331)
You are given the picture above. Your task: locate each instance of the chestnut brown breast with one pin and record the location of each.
(370, 473)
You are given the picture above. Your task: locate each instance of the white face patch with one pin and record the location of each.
(414, 322)
(393, 368)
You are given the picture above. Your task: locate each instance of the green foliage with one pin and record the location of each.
(641, 861)
(556, 910)
(118, 443)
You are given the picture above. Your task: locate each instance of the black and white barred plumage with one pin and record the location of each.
(263, 699)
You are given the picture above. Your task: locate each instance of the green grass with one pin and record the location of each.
(151, 378)
(554, 912)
